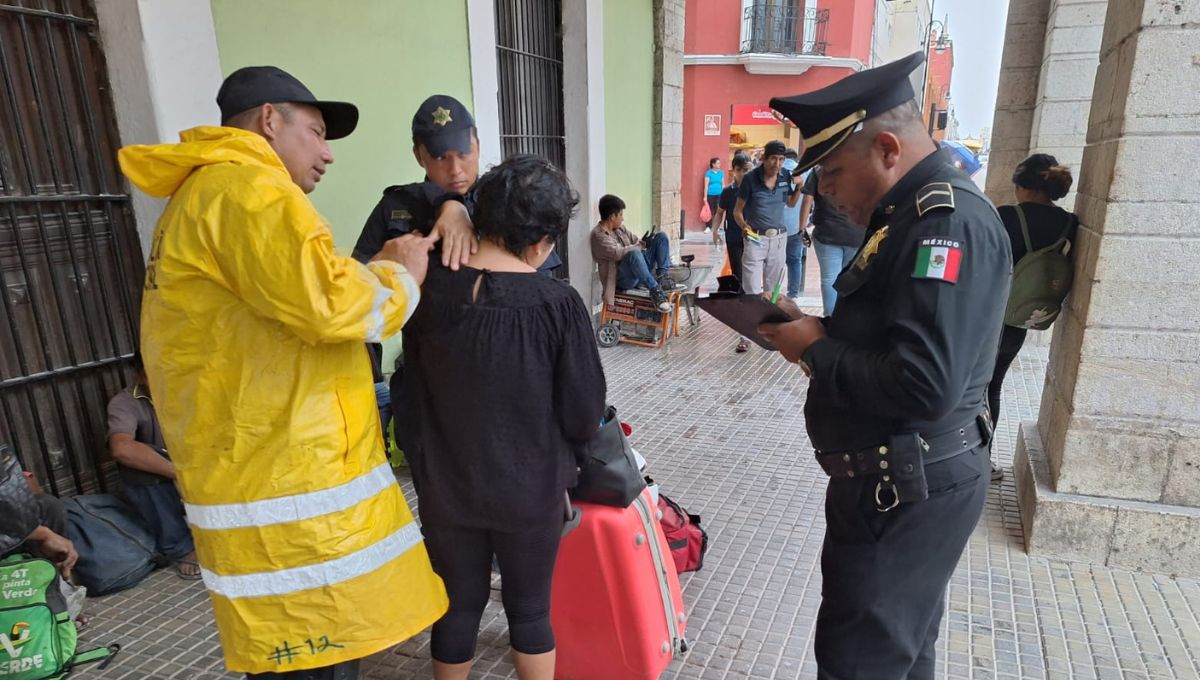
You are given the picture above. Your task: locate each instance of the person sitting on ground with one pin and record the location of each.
(34, 523)
(625, 262)
(512, 352)
(136, 442)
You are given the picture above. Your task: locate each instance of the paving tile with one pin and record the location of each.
(724, 434)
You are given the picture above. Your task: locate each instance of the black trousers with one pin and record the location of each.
(735, 245)
(885, 573)
(1011, 340)
(347, 670)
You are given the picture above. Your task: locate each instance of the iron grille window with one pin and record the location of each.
(70, 264)
(784, 27)
(529, 55)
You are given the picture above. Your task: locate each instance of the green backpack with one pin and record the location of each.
(37, 636)
(1040, 282)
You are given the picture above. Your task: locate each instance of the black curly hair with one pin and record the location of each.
(1041, 172)
(523, 201)
(610, 205)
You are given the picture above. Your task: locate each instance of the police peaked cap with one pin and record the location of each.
(826, 117)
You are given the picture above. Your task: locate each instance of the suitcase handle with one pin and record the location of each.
(573, 521)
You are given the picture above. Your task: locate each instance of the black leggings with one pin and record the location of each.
(463, 558)
(1011, 340)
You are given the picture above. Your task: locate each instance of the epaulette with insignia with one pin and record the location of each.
(935, 195)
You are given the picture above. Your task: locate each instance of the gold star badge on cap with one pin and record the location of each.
(441, 116)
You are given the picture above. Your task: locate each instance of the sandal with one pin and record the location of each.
(188, 577)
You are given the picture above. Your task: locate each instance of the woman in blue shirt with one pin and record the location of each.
(714, 182)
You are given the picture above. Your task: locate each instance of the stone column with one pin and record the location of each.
(1110, 473)
(1016, 96)
(668, 113)
(1072, 53)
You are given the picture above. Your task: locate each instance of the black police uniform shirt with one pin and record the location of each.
(413, 207)
(911, 345)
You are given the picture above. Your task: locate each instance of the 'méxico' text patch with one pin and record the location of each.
(938, 258)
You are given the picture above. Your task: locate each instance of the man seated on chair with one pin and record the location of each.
(626, 262)
(137, 445)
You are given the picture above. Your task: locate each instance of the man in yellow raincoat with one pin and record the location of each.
(255, 327)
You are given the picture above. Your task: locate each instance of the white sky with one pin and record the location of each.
(977, 28)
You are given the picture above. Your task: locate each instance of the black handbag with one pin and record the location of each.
(609, 474)
(18, 510)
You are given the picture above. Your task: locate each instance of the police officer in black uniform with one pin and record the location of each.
(446, 145)
(896, 402)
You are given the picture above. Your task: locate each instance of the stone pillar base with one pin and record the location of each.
(1118, 533)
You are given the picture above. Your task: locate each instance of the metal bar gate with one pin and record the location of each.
(70, 263)
(529, 55)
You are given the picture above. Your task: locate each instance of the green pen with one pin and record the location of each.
(778, 286)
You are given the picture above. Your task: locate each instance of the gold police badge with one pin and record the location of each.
(872, 247)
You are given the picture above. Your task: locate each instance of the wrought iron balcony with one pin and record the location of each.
(784, 27)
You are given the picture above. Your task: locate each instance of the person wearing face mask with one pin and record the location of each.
(253, 326)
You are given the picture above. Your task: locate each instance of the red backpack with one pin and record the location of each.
(686, 540)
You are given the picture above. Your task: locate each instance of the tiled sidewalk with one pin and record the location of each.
(724, 435)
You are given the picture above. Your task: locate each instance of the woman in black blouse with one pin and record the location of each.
(1038, 181)
(503, 386)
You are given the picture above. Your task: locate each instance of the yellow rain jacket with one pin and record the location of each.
(254, 327)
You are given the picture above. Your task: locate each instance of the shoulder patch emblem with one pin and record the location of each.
(401, 215)
(871, 247)
(938, 259)
(935, 195)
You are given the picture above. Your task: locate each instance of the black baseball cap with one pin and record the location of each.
(774, 148)
(443, 124)
(253, 86)
(828, 116)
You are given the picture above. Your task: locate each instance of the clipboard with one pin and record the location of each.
(743, 313)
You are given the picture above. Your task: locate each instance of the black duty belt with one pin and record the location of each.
(900, 464)
(874, 460)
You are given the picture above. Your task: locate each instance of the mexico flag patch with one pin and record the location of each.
(938, 259)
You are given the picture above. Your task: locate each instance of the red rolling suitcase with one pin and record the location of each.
(615, 606)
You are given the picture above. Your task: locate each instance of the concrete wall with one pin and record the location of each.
(669, 22)
(714, 28)
(1017, 94)
(629, 107)
(1111, 471)
(162, 64)
(384, 56)
(910, 29)
(1070, 57)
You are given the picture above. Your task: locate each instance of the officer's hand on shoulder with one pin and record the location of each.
(457, 233)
